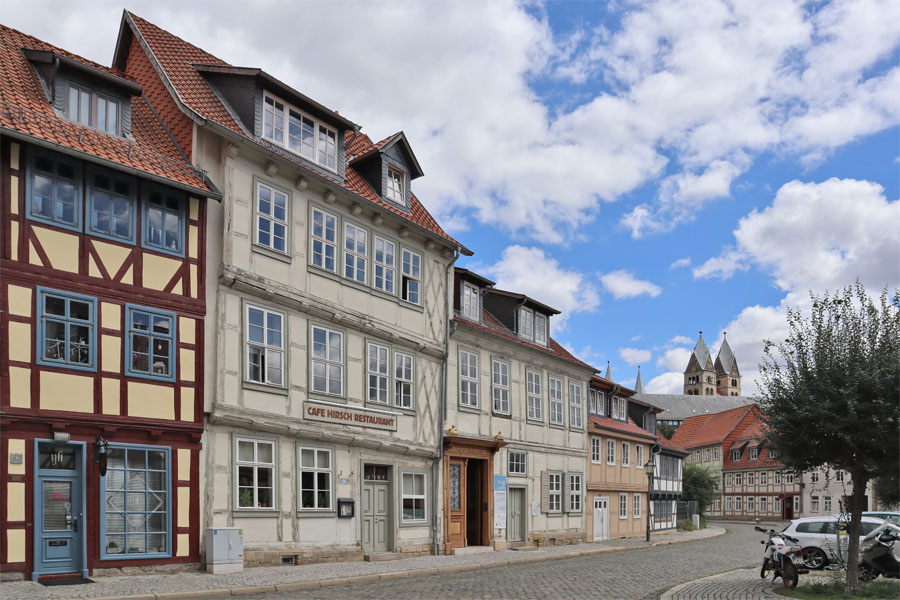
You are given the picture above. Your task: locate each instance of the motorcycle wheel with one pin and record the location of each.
(789, 574)
(766, 569)
(867, 573)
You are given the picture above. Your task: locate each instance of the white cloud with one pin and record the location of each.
(674, 359)
(529, 270)
(681, 262)
(635, 356)
(723, 266)
(681, 339)
(622, 284)
(666, 383)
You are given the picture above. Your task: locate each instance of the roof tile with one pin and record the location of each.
(630, 427)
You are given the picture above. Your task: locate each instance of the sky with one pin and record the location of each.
(651, 168)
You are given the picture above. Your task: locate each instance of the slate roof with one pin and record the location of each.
(701, 352)
(26, 113)
(176, 59)
(639, 383)
(678, 407)
(631, 428)
(712, 429)
(726, 358)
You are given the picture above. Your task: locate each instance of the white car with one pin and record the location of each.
(819, 537)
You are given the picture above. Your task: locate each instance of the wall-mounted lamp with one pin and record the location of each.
(100, 459)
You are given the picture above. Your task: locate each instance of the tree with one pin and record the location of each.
(829, 394)
(887, 489)
(667, 431)
(698, 485)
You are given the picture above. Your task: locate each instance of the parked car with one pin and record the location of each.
(894, 516)
(819, 537)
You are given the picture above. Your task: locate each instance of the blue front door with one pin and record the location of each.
(59, 509)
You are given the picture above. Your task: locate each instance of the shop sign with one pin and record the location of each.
(342, 414)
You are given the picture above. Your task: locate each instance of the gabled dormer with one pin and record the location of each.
(389, 167)
(273, 112)
(468, 291)
(529, 318)
(84, 94)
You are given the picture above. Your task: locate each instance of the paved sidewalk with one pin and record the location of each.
(735, 585)
(270, 579)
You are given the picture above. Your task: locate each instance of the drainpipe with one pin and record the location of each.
(436, 470)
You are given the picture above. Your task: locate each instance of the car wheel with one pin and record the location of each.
(815, 558)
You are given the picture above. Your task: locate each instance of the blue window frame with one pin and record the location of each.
(150, 343)
(164, 216)
(67, 330)
(136, 503)
(53, 190)
(111, 205)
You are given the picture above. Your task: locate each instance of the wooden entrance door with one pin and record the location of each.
(376, 509)
(515, 515)
(456, 502)
(601, 518)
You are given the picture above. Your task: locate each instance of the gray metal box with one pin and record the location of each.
(224, 549)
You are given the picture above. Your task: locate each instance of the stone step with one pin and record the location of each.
(473, 550)
(380, 556)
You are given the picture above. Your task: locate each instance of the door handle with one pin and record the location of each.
(75, 524)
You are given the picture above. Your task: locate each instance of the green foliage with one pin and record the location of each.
(698, 485)
(667, 431)
(887, 489)
(685, 525)
(834, 589)
(702, 522)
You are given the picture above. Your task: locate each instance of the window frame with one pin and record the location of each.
(383, 265)
(247, 306)
(273, 220)
(378, 374)
(332, 495)
(553, 403)
(408, 278)
(345, 253)
(754, 453)
(499, 387)
(470, 292)
(393, 170)
(146, 244)
(524, 462)
(576, 409)
(93, 116)
(525, 316)
(637, 506)
(312, 361)
(335, 244)
(89, 185)
(40, 330)
(596, 402)
(738, 480)
(172, 337)
(471, 380)
(411, 382)
(536, 401)
(542, 339)
(610, 451)
(763, 504)
(623, 506)
(77, 184)
(575, 495)
(639, 456)
(596, 450)
(554, 492)
(270, 511)
(402, 522)
(287, 108)
(626, 454)
(715, 453)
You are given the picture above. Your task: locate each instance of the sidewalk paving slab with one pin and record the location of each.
(197, 584)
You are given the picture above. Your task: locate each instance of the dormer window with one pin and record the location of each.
(305, 136)
(470, 302)
(540, 329)
(526, 323)
(92, 110)
(596, 401)
(395, 181)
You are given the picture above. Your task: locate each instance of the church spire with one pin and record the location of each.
(608, 371)
(639, 384)
(701, 352)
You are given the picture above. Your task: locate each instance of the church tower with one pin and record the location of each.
(728, 376)
(700, 374)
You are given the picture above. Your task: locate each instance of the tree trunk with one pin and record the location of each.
(857, 506)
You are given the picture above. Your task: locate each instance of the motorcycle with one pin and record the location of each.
(876, 553)
(785, 560)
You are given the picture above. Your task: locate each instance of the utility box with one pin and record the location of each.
(696, 520)
(224, 550)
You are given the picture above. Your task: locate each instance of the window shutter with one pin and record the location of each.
(545, 492)
(567, 491)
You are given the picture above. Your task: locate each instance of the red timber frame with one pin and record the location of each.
(30, 423)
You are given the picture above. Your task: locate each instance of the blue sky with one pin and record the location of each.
(650, 168)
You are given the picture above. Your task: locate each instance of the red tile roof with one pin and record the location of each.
(25, 110)
(751, 437)
(630, 427)
(667, 443)
(703, 430)
(175, 57)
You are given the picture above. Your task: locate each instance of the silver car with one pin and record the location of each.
(819, 537)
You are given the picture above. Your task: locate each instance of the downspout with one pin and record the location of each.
(436, 470)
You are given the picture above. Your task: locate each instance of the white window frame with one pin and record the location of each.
(510, 462)
(754, 453)
(359, 258)
(540, 329)
(470, 302)
(638, 456)
(321, 147)
(423, 496)
(378, 380)
(716, 453)
(574, 492)
(728, 480)
(637, 506)
(526, 323)
(468, 379)
(597, 400)
(273, 220)
(751, 504)
(266, 350)
(322, 240)
(610, 451)
(777, 480)
(814, 504)
(500, 386)
(327, 361)
(763, 504)
(396, 186)
(738, 480)
(626, 454)
(576, 405)
(826, 503)
(411, 276)
(256, 465)
(315, 470)
(556, 402)
(739, 504)
(728, 504)
(555, 492)
(718, 505)
(788, 479)
(750, 478)
(814, 477)
(763, 480)
(596, 449)
(402, 382)
(838, 477)
(735, 455)
(384, 271)
(623, 506)
(707, 453)
(796, 504)
(534, 392)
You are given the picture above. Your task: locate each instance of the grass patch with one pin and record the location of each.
(834, 589)
(685, 525)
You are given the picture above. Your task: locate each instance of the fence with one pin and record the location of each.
(686, 509)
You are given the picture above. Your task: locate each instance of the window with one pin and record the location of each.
(271, 218)
(92, 110)
(735, 455)
(754, 453)
(788, 478)
(696, 456)
(395, 180)
(414, 498)
(716, 453)
(718, 504)
(526, 323)
(737, 479)
(574, 492)
(327, 361)
(639, 456)
(814, 477)
(315, 479)
(728, 479)
(500, 386)
(576, 417)
(403, 380)
(555, 496)
(749, 478)
(384, 265)
(327, 148)
(610, 451)
(750, 504)
(273, 120)
(814, 503)
(255, 474)
(540, 329)
(378, 372)
(516, 463)
(265, 346)
(637, 506)
(776, 505)
(728, 504)
(595, 450)
(620, 412)
(66, 331)
(135, 518)
(302, 135)
(777, 477)
(55, 190)
(772, 454)
(738, 503)
(556, 402)
(471, 307)
(828, 504)
(355, 243)
(796, 504)
(412, 276)
(150, 345)
(623, 506)
(838, 477)
(111, 205)
(626, 454)
(324, 240)
(468, 379)
(596, 400)
(535, 403)
(78, 106)
(306, 136)
(762, 478)
(164, 221)
(762, 504)
(706, 454)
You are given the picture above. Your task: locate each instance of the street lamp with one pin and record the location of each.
(648, 469)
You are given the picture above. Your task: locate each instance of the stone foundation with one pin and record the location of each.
(146, 569)
(558, 538)
(12, 576)
(277, 558)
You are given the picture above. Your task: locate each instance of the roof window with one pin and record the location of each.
(289, 127)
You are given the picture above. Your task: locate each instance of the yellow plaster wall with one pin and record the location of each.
(14, 194)
(186, 364)
(33, 257)
(193, 236)
(151, 401)
(20, 387)
(184, 505)
(93, 269)
(63, 391)
(184, 464)
(111, 316)
(183, 544)
(195, 209)
(15, 501)
(14, 156)
(128, 277)
(14, 236)
(61, 248)
(19, 299)
(19, 341)
(111, 404)
(187, 404)
(187, 330)
(112, 256)
(15, 545)
(16, 446)
(111, 347)
(159, 270)
(192, 292)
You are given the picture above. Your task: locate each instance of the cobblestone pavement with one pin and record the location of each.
(734, 585)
